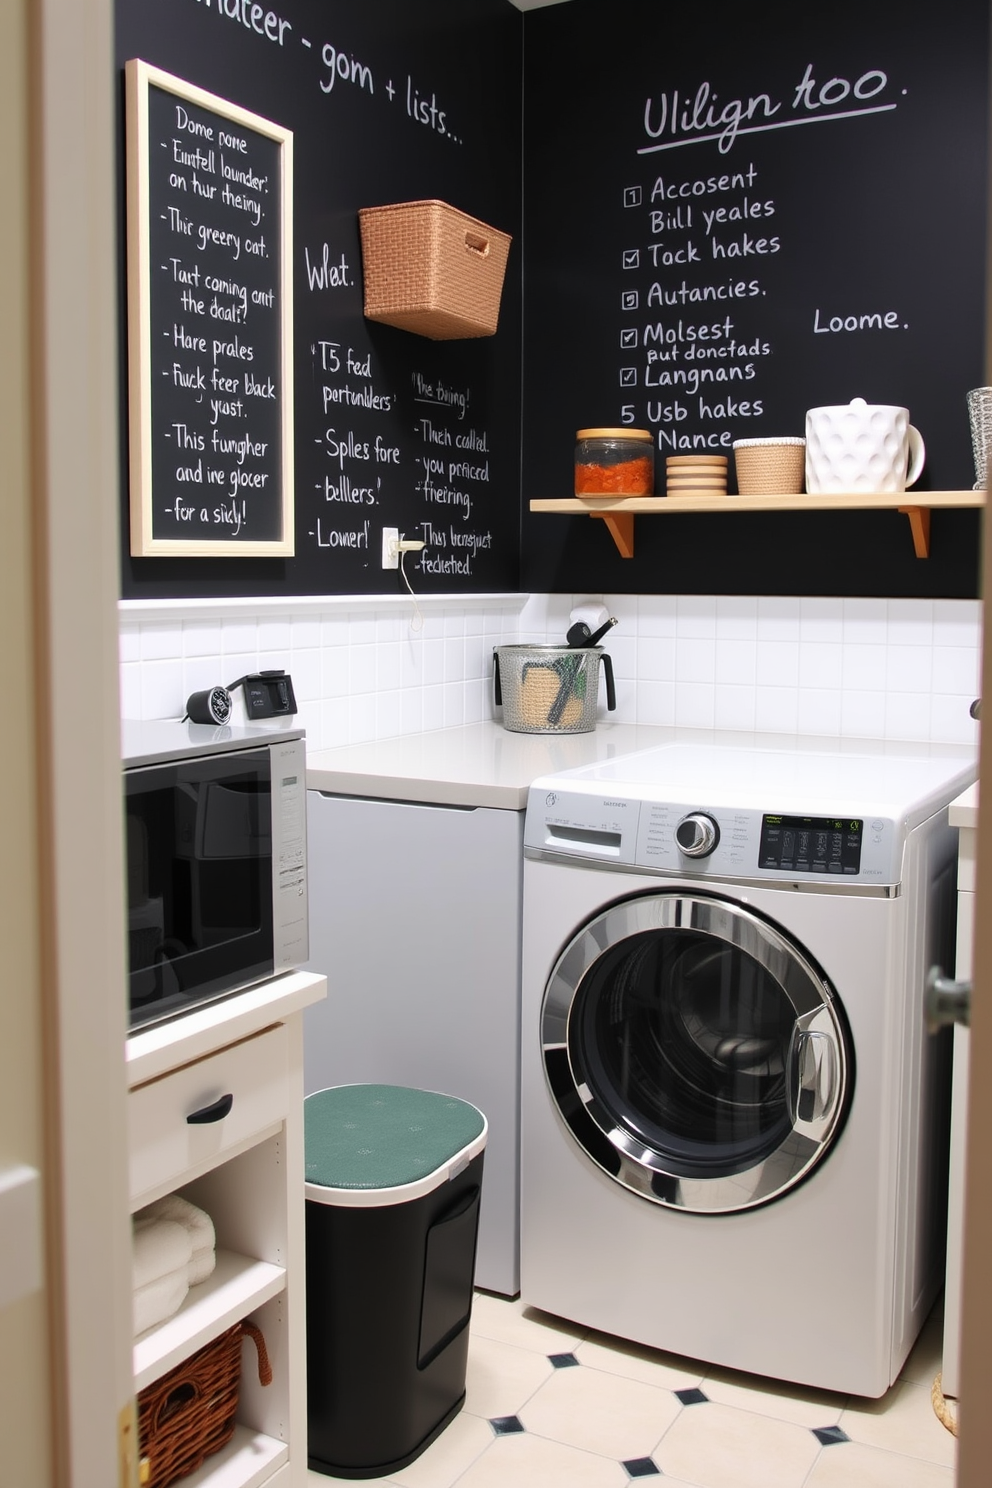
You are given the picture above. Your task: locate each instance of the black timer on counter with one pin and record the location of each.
(811, 844)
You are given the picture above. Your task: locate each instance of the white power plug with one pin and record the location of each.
(394, 545)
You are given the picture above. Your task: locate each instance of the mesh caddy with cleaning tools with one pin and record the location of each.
(550, 689)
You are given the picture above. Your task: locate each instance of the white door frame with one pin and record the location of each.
(75, 379)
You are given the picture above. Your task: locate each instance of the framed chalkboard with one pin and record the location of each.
(210, 340)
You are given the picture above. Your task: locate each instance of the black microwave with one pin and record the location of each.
(216, 862)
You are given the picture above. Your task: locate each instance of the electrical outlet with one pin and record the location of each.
(390, 556)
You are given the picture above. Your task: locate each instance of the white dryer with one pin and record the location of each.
(733, 1122)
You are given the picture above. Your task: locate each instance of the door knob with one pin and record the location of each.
(946, 1001)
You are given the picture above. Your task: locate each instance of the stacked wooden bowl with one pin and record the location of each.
(696, 475)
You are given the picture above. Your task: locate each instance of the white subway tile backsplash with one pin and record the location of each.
(201, 638)
(387, 668)
(956, 669)
(130, 685)
(956, 622)
(433, 706)
(778, 663)
(656, 703)
(950, 721)
(363, 669)
(819, 711)
(695, 661)
(275, 634)
(162, 694)
(655, 659)
(305, 633)
(907, 715)
(735, 707)
(863, 668)
(863, 715)
(737, 617)
(129, 645)
(695, 616)
(821, 665)
(777, 710)
(305, 672)
(334, 669)
(411, 710)
(361, 717)
(160, 642)
(623, 652)
(865, 620)
(736, 662)
(778, 618)
(388, 715)
(821, 620)
(910, 622)
(656, 615)
(239, 638)
(908, 668)
(695, 705)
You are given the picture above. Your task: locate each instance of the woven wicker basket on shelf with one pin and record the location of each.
(189, 1413)
(431, 269)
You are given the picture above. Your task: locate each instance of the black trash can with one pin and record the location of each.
(393, 1185)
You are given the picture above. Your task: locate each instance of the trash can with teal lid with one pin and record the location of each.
(393, 1185)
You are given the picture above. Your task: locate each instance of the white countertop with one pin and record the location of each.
(479, 764)
(963, 810)
(484, 764)
(154, 1051)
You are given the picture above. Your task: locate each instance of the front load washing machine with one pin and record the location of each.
(733, 1121)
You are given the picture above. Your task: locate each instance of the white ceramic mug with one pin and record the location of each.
(861, 446)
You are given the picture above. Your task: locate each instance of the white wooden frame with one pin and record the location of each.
(144, 543)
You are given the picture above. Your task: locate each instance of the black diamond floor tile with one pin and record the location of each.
(562, 1361)
(506, 1425)
(692, 1397)
(641, 1467)
(829, 1436)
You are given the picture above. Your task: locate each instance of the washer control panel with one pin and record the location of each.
(713, 841)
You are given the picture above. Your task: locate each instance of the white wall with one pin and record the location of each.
(851, 668)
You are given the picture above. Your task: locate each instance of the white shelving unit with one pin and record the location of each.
(247, 1171)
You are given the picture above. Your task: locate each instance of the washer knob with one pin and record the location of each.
(697, 835)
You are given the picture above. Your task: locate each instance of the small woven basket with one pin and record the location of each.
(431, 269)
(189, 1413)
(770, 467)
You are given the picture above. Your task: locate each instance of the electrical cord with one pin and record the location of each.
(403, 547)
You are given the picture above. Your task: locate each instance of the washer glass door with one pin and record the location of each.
(696, 1054)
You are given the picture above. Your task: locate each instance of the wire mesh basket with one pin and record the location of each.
(980, 419)
(550, 689)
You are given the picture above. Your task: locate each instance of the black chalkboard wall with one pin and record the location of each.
(658, 201)
(388, 101)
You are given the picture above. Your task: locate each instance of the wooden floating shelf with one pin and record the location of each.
(618, 512)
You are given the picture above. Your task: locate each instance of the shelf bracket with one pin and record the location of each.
(919, 523)
(621, 527)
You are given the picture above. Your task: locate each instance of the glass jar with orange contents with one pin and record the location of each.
(614, 462)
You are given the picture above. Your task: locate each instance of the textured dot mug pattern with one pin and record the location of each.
(861, 446)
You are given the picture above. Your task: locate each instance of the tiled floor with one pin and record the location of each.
(552, 1405)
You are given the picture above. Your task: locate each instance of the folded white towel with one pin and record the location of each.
(198, 1225)
(159, 1299)
(160, 1248)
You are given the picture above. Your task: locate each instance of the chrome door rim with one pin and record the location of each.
(817, 1017)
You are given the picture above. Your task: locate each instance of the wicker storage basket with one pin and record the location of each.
(770, 467)
(189, 1412)
(432, 270)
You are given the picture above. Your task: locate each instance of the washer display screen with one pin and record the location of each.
(811, 844)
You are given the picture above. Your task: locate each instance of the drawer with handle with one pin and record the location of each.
(187, 1121)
